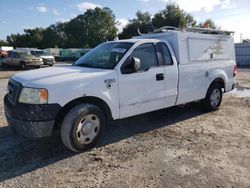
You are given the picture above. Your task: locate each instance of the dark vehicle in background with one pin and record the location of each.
(21, 59)
(47, 59)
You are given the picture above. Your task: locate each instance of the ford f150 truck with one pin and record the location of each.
(120, 79)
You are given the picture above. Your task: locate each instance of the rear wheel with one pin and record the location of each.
(213, 98)
(82, 127)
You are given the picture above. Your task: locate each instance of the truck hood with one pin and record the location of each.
(46, 77)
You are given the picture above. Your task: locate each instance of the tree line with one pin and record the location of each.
(98, 25)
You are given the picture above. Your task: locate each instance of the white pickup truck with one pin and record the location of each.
(120, 79)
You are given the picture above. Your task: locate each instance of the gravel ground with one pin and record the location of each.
(176, 147)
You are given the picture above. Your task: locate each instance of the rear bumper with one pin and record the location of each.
(31, 121)
(234, 85)
(230, 85)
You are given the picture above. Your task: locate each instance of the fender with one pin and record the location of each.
(215, 74)
(112, 103)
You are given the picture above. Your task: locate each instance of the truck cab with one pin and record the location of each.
(120, 79)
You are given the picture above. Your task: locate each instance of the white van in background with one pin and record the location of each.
(47, 59)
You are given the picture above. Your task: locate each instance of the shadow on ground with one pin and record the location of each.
(19, 156)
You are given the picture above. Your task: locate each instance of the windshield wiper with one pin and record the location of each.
(84, 65)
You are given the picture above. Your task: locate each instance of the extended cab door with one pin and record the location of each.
(145, 89)
(168, 61)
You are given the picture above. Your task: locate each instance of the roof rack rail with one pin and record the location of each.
(208, 31)
(192, 29)
(165, 29)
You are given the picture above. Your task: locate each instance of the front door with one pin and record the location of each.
(144, 90)
(13, 60)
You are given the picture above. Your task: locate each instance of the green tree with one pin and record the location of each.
(90, 28)
(33, 37)
(86, 30)
(3, 43)
(208, 23)
(17, 40)
(141, 22)
(174, 16)
(99, 26)
(52, 37)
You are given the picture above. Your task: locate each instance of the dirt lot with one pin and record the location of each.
(176, 147)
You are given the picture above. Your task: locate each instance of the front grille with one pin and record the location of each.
(35, 60)
(14, 89)
(48, 60)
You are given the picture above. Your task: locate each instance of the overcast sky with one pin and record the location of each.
(16, 15)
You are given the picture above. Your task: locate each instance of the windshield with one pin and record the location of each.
(41, 52)
(104, 56)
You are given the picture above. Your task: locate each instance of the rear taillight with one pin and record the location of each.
(235, 70)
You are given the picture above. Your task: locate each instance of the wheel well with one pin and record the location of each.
(219, 81)
(90, 100)
(22, 62)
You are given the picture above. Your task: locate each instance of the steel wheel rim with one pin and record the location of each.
(215, 97)
(88, 128)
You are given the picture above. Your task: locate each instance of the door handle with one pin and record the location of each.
(160, 77)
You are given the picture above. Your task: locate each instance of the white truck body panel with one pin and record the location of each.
(198, 59)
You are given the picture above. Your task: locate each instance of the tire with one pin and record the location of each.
(23, 65)
(213, 98)
(4, 65)
(82, 127)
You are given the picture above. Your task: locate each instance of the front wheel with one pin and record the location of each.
(4, 65)
(82, 127)
(23, 65)
(213, 98)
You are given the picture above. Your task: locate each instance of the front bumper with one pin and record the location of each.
(48, 61)
(31, 129)
(31, 121)
(34, 64)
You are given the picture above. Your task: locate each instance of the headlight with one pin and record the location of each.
(33, 96)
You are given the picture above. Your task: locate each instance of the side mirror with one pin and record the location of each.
(131, 65)
(136, 63)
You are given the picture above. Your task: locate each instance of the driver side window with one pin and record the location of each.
(146, 54)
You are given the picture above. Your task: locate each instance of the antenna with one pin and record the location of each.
(139, 32)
